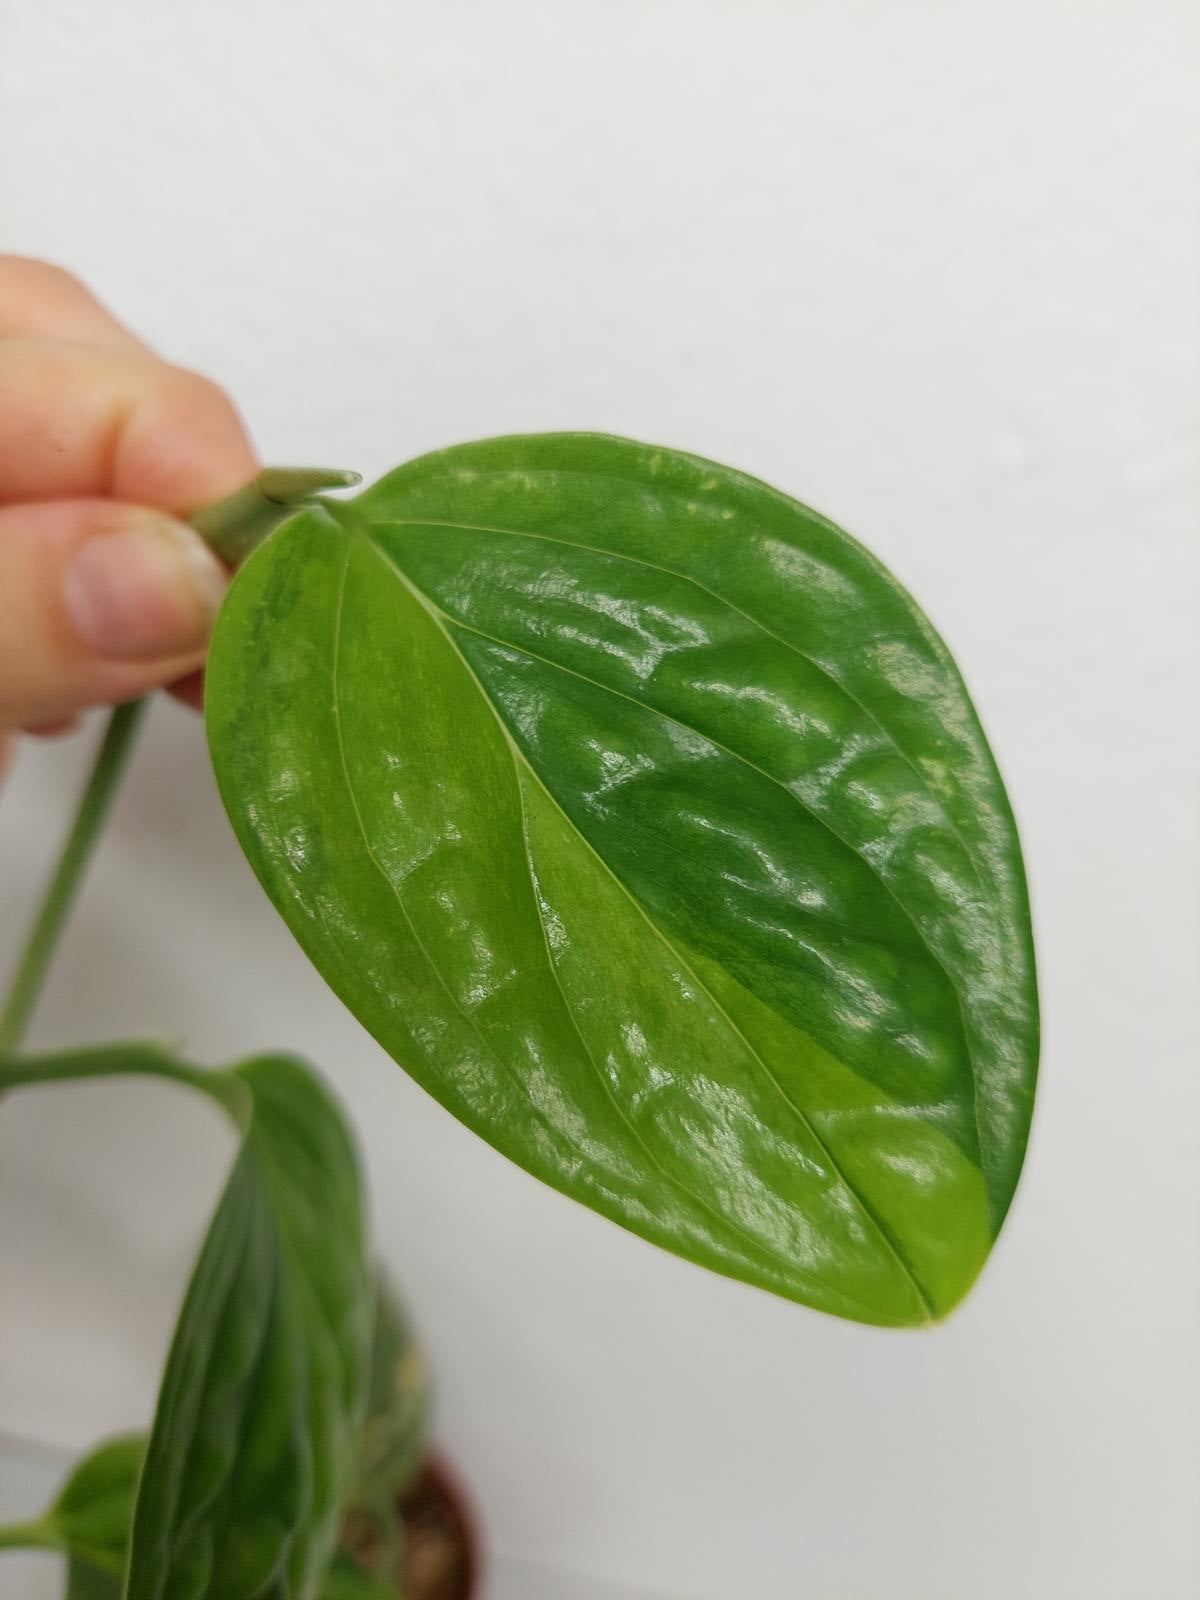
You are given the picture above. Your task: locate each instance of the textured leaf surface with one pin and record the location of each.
(643, 817)
(90, 1521)
(254, 1439)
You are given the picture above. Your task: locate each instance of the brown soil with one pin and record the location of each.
(439, 1548)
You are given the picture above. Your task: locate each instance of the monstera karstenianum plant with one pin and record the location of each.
(639, 814)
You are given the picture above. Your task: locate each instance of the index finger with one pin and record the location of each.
(78, 420)
(41, 301)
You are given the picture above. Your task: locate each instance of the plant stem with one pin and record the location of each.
(64, 883)
(127, 1058)
(234, 526)
(37, 1535)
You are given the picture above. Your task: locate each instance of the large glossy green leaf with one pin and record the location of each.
(642, 816)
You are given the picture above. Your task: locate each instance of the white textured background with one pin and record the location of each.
(933, 267)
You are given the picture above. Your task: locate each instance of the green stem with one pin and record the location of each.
(234, 526)
(64, 884)
(37, 1535)
(127, 1058)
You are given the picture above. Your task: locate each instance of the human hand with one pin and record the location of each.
(104, 592)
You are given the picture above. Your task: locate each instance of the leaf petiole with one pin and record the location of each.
(235, 525)
(65, 880)
(37, 1535)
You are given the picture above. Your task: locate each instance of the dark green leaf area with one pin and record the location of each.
(87, 1582)
(728, 862)
(642, 816)
(253, 1444)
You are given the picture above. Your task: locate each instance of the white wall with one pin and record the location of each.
(932, 267)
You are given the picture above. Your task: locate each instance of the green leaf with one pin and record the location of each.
(93, 1512)
(94, 1506)
(642, 816)
(255, 1442)
(88, 1520)
(253, 1446)
(86, 1582)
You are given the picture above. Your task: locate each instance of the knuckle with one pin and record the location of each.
(207, 400)
(40, 274)
(202, 389)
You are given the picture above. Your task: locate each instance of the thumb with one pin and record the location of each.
(99, 602)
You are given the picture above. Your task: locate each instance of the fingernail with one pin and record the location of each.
(152, 589)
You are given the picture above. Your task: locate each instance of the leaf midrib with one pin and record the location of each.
(169, 1540)
(735, 755)
(505, 1067)
(997, 932)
